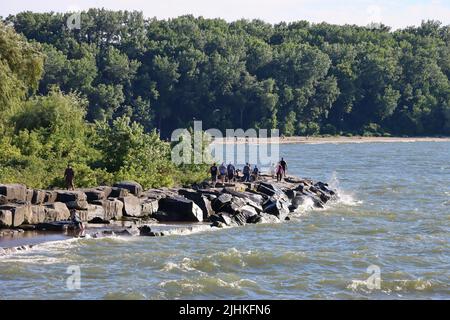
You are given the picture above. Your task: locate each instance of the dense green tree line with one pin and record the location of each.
(302, 78)
(42, 131)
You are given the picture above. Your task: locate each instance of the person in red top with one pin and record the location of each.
(279, 171)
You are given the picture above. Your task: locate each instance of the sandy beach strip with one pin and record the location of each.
(329, 140)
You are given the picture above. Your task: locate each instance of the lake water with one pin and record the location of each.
(393, 218)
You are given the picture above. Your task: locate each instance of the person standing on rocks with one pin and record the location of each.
(222, 172)
(255, 173)
(213, 170)
(284, 165)
(231, 170)
(280, 172)
(246, 172)
(69, 175)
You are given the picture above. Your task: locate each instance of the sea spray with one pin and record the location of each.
(344, 197)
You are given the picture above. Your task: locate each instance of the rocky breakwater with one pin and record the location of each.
(234, 204)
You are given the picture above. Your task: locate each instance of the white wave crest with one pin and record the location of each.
(344, 197)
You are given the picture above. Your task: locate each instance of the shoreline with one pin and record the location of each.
(330, 140)
(128, 210)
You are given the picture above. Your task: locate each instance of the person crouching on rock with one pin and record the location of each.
(69, 175)
(213, 171)
(280, 172)
(77, 223)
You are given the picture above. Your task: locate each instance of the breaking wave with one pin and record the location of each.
(345, 197)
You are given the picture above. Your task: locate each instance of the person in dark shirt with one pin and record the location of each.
(213, 170)
(255, 173)
(284, 165)
(69, 175)
(246, 172)
(231, 170)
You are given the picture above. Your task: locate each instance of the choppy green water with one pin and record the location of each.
(395, 214)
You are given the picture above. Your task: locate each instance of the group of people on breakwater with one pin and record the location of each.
(230, 174)
(223, 173)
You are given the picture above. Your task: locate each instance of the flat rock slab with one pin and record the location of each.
(69, 196)
(13, 192)
(132, 186)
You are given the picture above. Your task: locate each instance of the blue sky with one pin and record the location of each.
(397, 14)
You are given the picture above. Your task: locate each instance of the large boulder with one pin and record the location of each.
(325, 188)
(178, 209)
(199, 199)
(221, 202)
(276, 207)
(244, 215)
(77, 205)
(69, 196)
(6, 218)
(38, 197)
(146, 231)
(222, 217)
(149, 206)
(290, 193)
(299, 201)
(318, 203)
(131, 206)
(56, 211)
(248, 211)
(159, 193)
(3, 200)
(91, 212)
(13, 192)
(118, 193)
(240, 219)
(36, 214)
(113, 208)
(50, 196)
(13, 215)
(263, 218)
(249, 198)
(96, 194)
(132, 186)
(268, 189)
(29, 196)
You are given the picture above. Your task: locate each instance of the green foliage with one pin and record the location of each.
(289, 124)
(21, 66)
(245, 74)
(131, 154)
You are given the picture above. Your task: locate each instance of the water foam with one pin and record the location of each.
(343, 196)
(389, 286)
